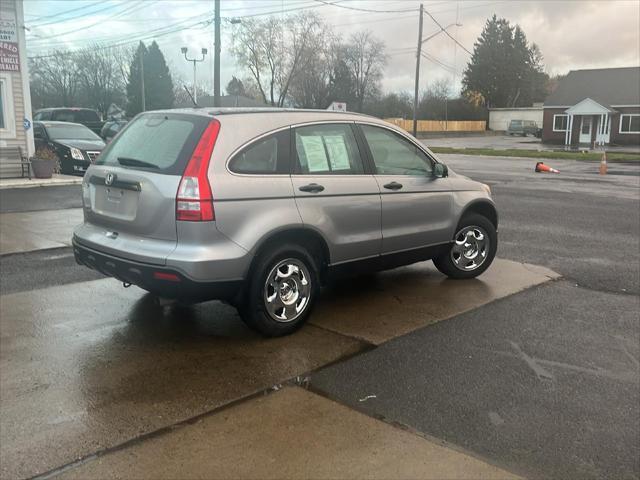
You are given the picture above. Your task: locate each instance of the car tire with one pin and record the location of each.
(473, 249)
(283, 286)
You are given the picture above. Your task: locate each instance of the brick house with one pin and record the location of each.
(594, 107)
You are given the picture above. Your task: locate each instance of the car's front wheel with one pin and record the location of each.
(282, 290)
(472, 250)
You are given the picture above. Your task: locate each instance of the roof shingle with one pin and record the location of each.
(607, 86)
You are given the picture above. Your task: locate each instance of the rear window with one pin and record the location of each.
(70, 131)
(156, 142)
(516, 123)
(75, 116)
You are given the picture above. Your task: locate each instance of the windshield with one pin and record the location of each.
(162, 142)
(70, 132)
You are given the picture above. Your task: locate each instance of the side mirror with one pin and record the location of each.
(440, 170)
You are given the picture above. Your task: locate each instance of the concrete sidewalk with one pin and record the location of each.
(57, 179)
(27, 231)
(292, 433)
(91, 367)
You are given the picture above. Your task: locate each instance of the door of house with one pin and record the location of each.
(585, 129)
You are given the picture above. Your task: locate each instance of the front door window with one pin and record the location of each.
(585, 129)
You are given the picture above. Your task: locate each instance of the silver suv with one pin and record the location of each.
(261, 207)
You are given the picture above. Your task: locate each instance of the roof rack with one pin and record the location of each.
(236, 110)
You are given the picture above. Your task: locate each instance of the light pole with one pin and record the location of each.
(419, 54)
(195, 61)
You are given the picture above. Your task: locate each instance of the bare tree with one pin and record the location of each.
(102, 77)
(92, 77)
(274, 52)
(365, 58)
(312, 86)
(55, 78)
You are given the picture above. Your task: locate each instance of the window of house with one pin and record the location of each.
(7, 122)
(630, 123)
(2, 105)
(560, 123)
(328, 149)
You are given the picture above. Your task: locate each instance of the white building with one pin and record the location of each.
(499, 118)
(15, 97)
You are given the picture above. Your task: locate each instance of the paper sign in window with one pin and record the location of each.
(338, 154)
(314, 151)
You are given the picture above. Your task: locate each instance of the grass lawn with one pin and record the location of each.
(514, 152)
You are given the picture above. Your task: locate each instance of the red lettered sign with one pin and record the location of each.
(9, 58)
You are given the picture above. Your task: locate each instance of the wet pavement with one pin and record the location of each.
(262, 438)
(97, 381)
(89, 366)
(505, 142)
(29, 231)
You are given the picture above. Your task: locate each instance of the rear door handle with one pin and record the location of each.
(393, 186)
(312, 187)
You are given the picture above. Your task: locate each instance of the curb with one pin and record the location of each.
(41, 183)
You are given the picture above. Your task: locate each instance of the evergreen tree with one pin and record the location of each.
(134, 85)
(158, 86)
(236, 87)
(504, 69)
(158, 83)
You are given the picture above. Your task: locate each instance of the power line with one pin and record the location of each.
(129, 9)
(209, 20)
(149, 35)
(435, 60)
(49, 17)
(447, 33)
(367, 9)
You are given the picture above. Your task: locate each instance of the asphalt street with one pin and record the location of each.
(542, 383)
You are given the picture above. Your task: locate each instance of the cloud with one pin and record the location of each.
(571, 34)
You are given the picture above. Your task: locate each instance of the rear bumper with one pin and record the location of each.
(159, 280)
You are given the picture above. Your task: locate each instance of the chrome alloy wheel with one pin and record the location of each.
(287, 290)
(470, 248)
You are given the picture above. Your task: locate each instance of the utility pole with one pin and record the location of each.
(216, 56)
(144, 102)
(415, 95)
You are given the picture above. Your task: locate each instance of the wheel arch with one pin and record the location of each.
(482, 207)
(300, 235)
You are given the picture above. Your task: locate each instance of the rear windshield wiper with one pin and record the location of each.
(133, 162)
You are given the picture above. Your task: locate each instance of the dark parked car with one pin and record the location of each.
(111, 128)
(84, 116)
(77, 147)
(523, 127)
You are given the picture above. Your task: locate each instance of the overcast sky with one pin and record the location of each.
(571, 34)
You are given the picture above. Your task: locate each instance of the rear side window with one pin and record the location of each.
(327, 149)
(269, 155)
(156, 142)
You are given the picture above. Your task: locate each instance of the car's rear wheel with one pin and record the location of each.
(282, 289)
(473, 248)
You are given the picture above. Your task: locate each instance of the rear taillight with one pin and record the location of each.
(194, 202)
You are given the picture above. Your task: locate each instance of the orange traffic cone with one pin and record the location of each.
(603, 164)
(542, 168)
